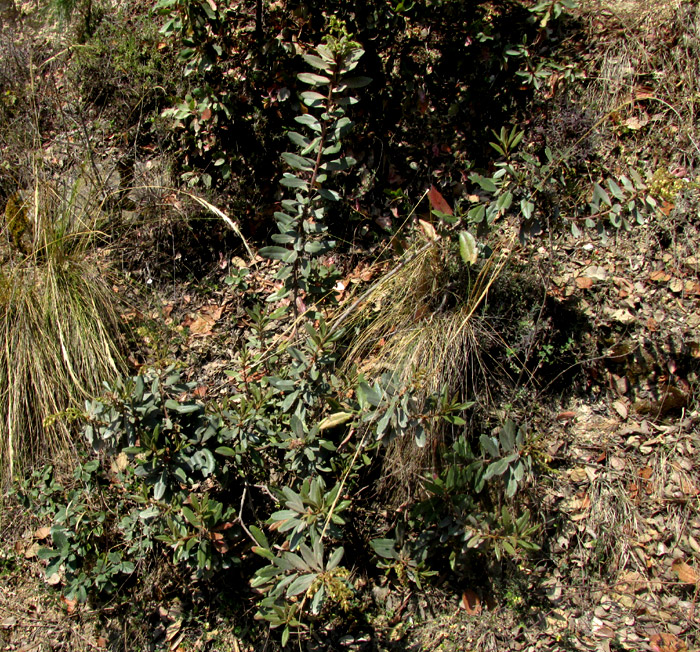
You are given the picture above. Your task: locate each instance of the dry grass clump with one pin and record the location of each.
(422, 322)
(59, 326)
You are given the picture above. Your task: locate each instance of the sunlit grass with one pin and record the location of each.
(60, 328)
(424, 323)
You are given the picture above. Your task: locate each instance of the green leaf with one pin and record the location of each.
(384, 548)
(159, 488)
(638, 181)
(298, 139)
(280, 383)
(47, 553)
(420, 436)
(313, 79)
(616, 190)
(297, 562)
(190, 516)
(519, 471)
(507, 435)
(477, 213)
(310, 121)
(489, 446)
(149, 513)
(315, 247)
(352, 82)
(298, 162)
(498, 148)
(274, 253)
(259, 536)
(600, 194)
(467, 248)
(507, 546)
(526, 208)
(486, 183)
(182, 408)
(336, 419)
(331, 195)
(204, 460)
(496, 468)
(292, 181)
(313, 99)
(368, 395)
(335, 558)
(318, 63)
(504, 201)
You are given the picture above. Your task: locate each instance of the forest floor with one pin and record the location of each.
(617, 497)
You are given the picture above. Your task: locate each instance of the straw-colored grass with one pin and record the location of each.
(59, 328)
(424, 323)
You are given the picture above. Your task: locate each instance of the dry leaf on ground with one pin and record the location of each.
(686, 573)
(470, 602)
(666, 643)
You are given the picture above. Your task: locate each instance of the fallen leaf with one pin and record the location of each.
(645, 473)
(566, 416)
(578, 475)
(201, 325)
(636, 122)
(54, 579)
(9, 622)
(666, 643)
(200, 392)
(693, 262)
(581, 502)
(470, 602)
(221, 546)
(617, 463)
(119, 463)
(676, 285)
(686, 574)
(667, 207)
(42, 533)
(691, 287)
(583, 282)
(173, 630)
(622, 315)
(599, 628)
(644, 94)
(660, 276)
(631, 582)
(621, 409)
(71, 603)
(596, 272)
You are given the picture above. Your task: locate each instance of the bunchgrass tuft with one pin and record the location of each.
(424, 323)
(60, 328)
